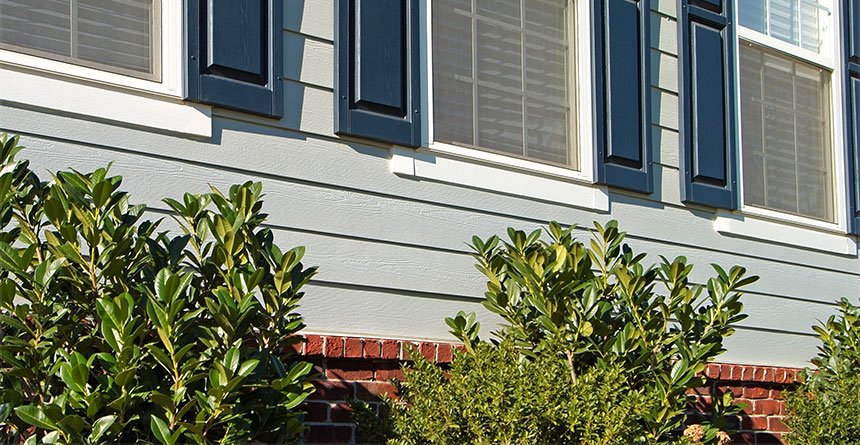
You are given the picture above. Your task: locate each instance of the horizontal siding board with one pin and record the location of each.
(668, 189)
(378, 264)
(313, 18)
(665, 145)
(664, 71)
(772, 312)
(308, 109)
(665, 7)
(664, 34)
(664, 108)
(758, 347)
(307, 60)
(336, 309)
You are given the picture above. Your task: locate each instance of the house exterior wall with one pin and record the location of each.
(391, 250)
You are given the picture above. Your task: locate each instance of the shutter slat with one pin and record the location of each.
(377, 87)
(621, 59)
(235, 56)
(706, 96)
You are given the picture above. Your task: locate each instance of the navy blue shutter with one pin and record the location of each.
(235, 56)
(707, 97)
(851, 36)
(377, 85)
(621, 55)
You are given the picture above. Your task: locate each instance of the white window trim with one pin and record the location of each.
(782, 227)
(494, 171)
(779, 231)
(427, 164)
(823, 61)
(45, 83)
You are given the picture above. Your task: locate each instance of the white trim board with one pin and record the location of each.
(433, 166)
(745, 226)
(112, 104)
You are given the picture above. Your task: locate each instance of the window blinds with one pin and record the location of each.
(501, 74)
(119, 35)
(786, 134)
(798, 22)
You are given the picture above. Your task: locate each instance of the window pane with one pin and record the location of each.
(500, 76)
(500, 120)
(786, 134)
(504, 11)
(43, 25)
(783, 19)
(499, 54)
(753, 14)
(452, 59)
(117, 35)
(798, 22)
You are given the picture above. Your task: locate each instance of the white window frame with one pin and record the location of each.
(510, 174)
(52, 84)
(782, 227)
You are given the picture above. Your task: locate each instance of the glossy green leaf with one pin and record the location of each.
(35, 415)
(161, 431)
(101, 426)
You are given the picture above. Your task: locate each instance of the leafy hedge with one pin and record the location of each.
(113, 330)
(598, 318)
(825, 408)
(490, 396)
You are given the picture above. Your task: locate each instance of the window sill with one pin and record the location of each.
(116, 104)
(510, 179)
(785, 232)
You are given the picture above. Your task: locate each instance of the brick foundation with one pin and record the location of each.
(760, 388)
(363, 367)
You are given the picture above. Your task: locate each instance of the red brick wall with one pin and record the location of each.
(760, 389)
(363, 367)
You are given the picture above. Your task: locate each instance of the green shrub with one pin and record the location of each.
(598, 309)
(113, 331)
(825, 408)
(491, 396)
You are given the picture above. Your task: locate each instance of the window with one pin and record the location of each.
(786, 64)
(502, 77)
(76, 56)
(121, 36)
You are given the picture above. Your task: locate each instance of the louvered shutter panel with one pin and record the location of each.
(706, 95)
(235, 56)
(622, 91)
(851, 36)
(377, 85)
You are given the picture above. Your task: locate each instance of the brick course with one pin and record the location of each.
(354, 367)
